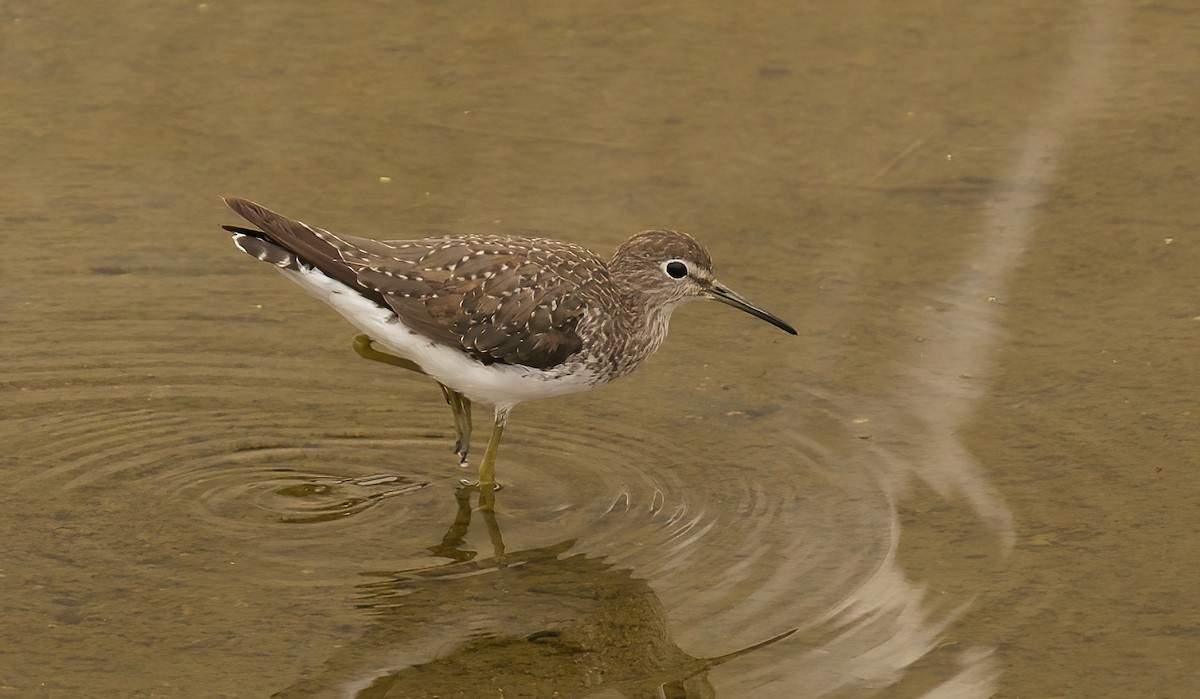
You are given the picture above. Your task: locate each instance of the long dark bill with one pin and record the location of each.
(724, 295)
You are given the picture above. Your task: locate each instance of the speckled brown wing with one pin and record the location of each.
(505, 300)
(502, 300)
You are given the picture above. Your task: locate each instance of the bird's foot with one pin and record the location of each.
(363, 346)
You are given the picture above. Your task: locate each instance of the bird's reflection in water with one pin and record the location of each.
(533, 623)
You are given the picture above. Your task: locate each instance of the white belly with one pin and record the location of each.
(504, 384)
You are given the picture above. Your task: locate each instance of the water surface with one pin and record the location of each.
(971, 475)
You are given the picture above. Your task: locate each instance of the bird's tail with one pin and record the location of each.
(286, 243)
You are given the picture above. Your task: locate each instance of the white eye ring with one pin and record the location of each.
(675, 269)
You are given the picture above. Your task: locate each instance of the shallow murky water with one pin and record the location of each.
(973, 474)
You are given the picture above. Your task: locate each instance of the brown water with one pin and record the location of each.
(973, 474)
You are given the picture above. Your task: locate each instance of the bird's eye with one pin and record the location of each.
(676, 269)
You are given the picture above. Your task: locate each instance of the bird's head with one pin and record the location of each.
(670, 267)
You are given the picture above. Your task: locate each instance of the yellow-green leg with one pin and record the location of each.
(459, 404)
(487, 467)
(362, 345)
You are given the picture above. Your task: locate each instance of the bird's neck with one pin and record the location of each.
(640, 324)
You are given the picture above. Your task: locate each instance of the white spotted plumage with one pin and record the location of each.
(495, 384)
(496, 320)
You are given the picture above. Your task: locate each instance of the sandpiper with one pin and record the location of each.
(494, 319)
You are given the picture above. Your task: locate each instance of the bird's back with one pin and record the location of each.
(498, 299)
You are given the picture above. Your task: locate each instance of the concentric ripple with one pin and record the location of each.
(229, 474)
(296, 497)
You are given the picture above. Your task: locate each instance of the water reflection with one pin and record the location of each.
(827, 554)
(631, 572)
(534, 622)
(981, 208)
